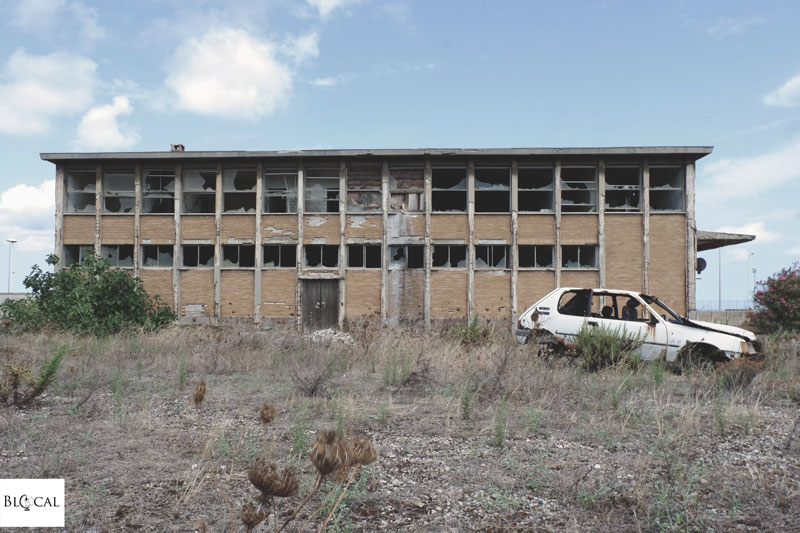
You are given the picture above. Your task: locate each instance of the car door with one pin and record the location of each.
(639, 322)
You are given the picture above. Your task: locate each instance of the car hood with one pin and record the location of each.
(722, 328)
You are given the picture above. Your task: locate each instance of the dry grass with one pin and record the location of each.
(665, 444)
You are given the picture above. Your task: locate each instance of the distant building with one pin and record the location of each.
(322, 237)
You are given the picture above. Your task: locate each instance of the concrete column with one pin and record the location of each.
(645, 224)
(259, 242)
(177, 249)
(470, 240)
(384, 241)
(98, 207)
(514, 238)
(691, 239)
(298, 302)
(601, 221)
(428, 249)
(137, 208)
(557, 206)
(218, 246)
(342, 240)
(61, 177)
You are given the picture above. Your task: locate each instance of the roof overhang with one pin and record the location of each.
(691, 152)
(710, 240)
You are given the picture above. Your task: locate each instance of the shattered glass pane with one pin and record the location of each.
(498, 179)
(199, 180)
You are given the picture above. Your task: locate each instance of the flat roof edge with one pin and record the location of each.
(698, 151)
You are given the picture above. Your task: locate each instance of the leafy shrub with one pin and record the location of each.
(777, 302)
(600, 347)
(19, 386)
(471, 333)
(88, 298)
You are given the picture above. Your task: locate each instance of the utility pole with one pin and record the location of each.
(747, 277)
(719, 278)
(10, 264)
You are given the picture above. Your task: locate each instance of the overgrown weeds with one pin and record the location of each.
(20, 386)
(599, 347)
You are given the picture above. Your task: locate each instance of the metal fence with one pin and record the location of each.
(716, 305)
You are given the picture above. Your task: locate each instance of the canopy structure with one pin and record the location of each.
(710, 240)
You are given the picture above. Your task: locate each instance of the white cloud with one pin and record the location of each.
(39, 88)
(787, 95)
(752, 228)
(748, 176)
(229, 73)
(728, 27)
(325, 82)
(43, 16)
(326, 7)
(100, 131)
(302, 48)
(27, 215)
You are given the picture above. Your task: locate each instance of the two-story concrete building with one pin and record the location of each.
(417, 236)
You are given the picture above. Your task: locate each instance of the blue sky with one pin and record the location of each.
(138, 75)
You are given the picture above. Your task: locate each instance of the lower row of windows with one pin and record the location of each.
(327, 256)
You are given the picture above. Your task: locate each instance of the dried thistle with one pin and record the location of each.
(266, 414)
(363, 452)
(264, 476)
(199, 393)
(251, 516)
(329, 451)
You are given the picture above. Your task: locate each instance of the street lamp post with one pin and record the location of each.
(747, 276)
(10, 263)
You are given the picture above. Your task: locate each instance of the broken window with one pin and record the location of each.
(449, 256)
(280, 255)
(364, 189)
(198, 255)
(280, 191)
(666, 188)
(238, 255)
(322, 190)
(76, 253)
(118, 255)
(535, 256)
(407, 256)
(321, 255)
(158, 191)
(492, 256)
(578, 190)
(157, 255)
(199, 191)
(575, 303)
(623, 189)
(492, 190)
(80, 191)
(364, 256)
(535, 189)
(584, 256)
(449, 189)
(406, 189)
(118, 191)
(239, 190)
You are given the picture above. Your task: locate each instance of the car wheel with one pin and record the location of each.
(696, 357)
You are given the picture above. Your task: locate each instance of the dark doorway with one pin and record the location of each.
(320, 303)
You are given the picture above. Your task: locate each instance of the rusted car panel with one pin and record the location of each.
(557, 317)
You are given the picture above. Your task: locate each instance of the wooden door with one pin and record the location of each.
(320, 303)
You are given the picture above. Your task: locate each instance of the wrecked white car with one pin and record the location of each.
(556, 318)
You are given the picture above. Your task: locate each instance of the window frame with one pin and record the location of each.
(614, 190)
(581, 249)
(229, 191)
(588, 186)
(120, 194)
(87, 192)
(287, 194)
(661, 190)
(394, 265)
(367, 262)
(157, 195)
(435, 248)
(546, 190)
(322, 255)
(491, 252)
(226, 249)
(158, 247)
(205, 247)
(437, 192)
(281, 248)
(114, 262)
(405, 194)
(357, 191)
(482, 191)
(330, 202)
(536, 248)
(82, 249)
(200, 192)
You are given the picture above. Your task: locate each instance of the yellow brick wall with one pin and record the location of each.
(406, 225)
(321, 226)
(279, 227)
(79, 229)
(531, 286)
(158, 282)
(584, 279)
(363, 293)
(578, 229)
(195, 227)
(493, 227)
(536, 229)
(667, 273)
(493, 294)
(238, 227)
(278, 293)
(236, 293)
(364, 226)
(197, 288)
(451, 227)
(406, 293)
(624, 252)
(117, 229)
(448, 294)
(158, 229)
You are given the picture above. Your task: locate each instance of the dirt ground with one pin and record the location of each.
(485, 437)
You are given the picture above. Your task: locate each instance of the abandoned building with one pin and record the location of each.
(322, 237)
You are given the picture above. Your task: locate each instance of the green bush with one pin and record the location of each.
(777, 302)
(88, 298)
(600, 347)
(471, 333)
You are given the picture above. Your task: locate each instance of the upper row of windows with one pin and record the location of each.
(536, 192)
